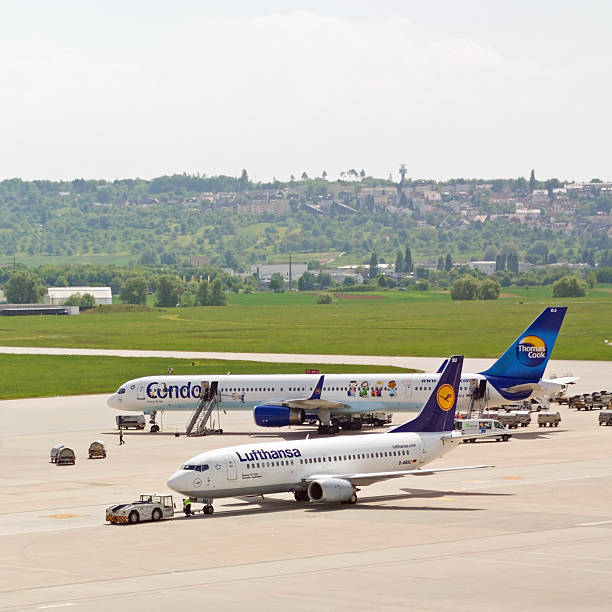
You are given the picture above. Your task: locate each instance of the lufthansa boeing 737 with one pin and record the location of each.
(286, 399)
(330, 469)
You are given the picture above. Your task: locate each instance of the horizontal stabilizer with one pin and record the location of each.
(564, 380)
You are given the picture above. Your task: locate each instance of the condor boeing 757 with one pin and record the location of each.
(285, 399)
(330, 469)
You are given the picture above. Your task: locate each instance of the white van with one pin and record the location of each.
(482, 428)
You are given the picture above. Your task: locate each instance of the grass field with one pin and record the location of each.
(389, 323)
(49, 375)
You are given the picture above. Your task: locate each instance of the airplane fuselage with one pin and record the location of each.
(277, 467)
(361, 392)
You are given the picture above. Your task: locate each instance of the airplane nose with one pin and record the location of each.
(112, 401)
(176, 480)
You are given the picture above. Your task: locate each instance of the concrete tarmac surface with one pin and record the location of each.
(533, 533)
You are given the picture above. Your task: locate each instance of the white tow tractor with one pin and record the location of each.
(147, 508)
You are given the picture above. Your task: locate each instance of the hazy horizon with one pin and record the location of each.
(106, 90)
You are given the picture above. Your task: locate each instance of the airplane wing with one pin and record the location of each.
(367, 478)
(314, 402)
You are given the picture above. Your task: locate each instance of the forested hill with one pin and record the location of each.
(234, 222)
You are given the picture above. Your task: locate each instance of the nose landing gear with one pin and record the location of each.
(154, 425)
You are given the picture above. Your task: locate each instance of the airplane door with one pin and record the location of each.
(407, 389)
(140, 391)
(230, 463)
(214, 389)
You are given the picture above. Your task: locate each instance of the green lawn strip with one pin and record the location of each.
(395, 324)
(49, 375)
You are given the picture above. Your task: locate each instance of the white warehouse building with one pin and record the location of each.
(58, 295)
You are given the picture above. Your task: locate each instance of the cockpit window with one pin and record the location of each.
(122, 390)
(197, 468)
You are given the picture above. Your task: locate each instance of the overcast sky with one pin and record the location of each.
(113, 89)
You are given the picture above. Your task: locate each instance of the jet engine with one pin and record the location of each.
(330, 490)
(270, 415)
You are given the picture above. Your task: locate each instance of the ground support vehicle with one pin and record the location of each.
(606, 396)
(377, 419)
(482, 428)
(147, 508)
(579, 404)
(523, 416)
(509, 419)
(550, 418)
(97, 450)
(62, 455)
(130, 421)
(589, 401)
(600, 400)
(605, 417)
(534, 405)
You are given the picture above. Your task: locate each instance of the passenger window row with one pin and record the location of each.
(264, 464)
(378, 455)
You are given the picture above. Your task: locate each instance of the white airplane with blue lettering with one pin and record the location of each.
(280, 400)
(329, 470)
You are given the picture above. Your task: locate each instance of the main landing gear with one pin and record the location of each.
(330, 428)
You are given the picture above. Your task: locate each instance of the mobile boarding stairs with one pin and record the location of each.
(202, 415)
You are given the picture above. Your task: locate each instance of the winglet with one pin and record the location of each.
(316, 394)
(441, 368)
(438, 413)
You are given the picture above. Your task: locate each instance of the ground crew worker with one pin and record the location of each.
(121, 440)
(187, 507)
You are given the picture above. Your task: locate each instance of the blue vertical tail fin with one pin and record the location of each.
(438, 413)
(526, 358)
